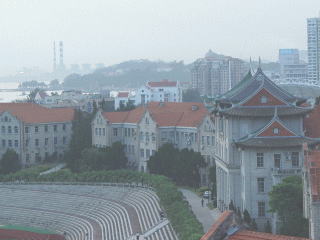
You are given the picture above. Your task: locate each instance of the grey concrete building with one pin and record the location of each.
(35, 132)
(313, 25)
(214, 75)
(259, 137)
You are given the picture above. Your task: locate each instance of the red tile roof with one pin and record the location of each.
(213, 229)
(312, 164)
(34, 113)
(311, 123)
(123, 94)
(165, 114)
(163, 83)
(250, 235)
(283, 131)
(271, 100)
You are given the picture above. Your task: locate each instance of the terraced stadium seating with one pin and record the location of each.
(88, 212)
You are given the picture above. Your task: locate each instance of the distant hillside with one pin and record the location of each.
(134, 73)
(129, 74)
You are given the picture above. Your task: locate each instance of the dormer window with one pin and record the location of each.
(276, 131)
(263, 99)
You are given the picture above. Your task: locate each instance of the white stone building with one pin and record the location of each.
(35, 132)
(143, 130)
(259, 137)
(163, 91)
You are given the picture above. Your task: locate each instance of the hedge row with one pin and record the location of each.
(178, 211)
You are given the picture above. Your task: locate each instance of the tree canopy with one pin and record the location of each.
(10, 162)
(182, 166)
(286, 199)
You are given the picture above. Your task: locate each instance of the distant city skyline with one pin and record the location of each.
(113, 31)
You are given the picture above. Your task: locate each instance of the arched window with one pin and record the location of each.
(276, 131)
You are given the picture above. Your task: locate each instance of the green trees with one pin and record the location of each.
(181, 166)
(10, 162)
(286, 199)
(126, 107)
(191, 95)
(110, 158)
(81, 139)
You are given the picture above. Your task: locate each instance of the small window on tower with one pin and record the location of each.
(276, 130)
(263, 99)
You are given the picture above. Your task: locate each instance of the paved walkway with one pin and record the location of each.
(54, 169)
(205, 216)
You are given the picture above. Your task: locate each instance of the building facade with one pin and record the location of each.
(36, 133)
(213, 76)
(313, 25)
(162, 91)
(292, 70)
(259, 137)
(143, 130)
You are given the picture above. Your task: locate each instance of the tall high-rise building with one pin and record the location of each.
(314, 50)
(214, 74)
(292, 70)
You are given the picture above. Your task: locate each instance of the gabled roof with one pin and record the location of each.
(267, 137)
(123, 94)
(163, 83)
(245, 98)
(163, 113)
(34, 113)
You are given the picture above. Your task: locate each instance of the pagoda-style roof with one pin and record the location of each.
(274, 134)
(257, 95)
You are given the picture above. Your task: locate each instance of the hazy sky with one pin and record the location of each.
(111, 31)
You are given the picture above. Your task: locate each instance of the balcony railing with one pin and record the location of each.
(286, 171)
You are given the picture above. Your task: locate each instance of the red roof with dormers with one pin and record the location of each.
(283, 131)
(123, 94)
(250, 235)
(256, 99)
(164, 114)
(34, 113)
(163, 83)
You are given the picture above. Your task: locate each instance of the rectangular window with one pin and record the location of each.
(3, 129)
(55, 140)
(27, 142)
(153, 137)
(9, 129)
(16, 129)
(96, 131)
(129, 132)
(141, 152)
(3, 143)
(125, 132)
(115, 132)
(55, 128)
(147, 153)
(26, 129)
(9, 143)
(46, 128)
(16, 143)
(36, 129)
(277, 160)
(37, 157)
(46, 141)
(99, 131)
(36, 142)
(104, 131)
(208, 140)
(202, 140)
(260, 160)
(63, 127)
(295, 159)
(64, 140)
(260, 182)
(261, 209)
